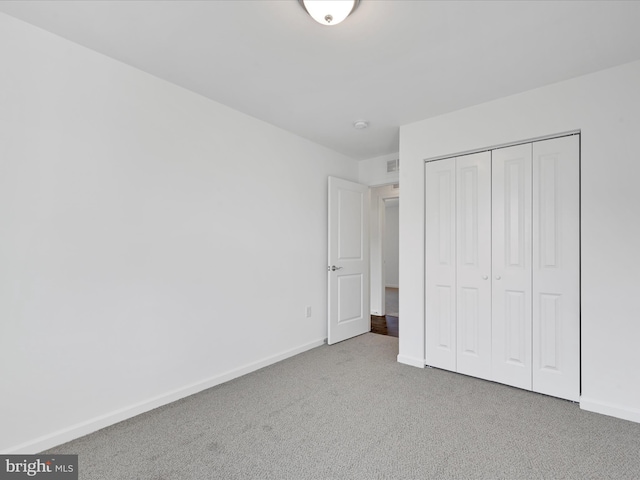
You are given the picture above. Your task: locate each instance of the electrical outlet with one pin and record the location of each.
(308, 312)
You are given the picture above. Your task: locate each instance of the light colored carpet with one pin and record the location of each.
(391, 299)
(350, 411)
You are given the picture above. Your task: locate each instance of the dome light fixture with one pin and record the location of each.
(329, 12)
(360, 124)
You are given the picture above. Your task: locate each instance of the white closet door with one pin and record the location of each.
(511, 269)
(440, 255)
(473, 235)
(556, 267)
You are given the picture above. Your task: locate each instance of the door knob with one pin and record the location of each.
(498, 277)
(333, 268)
(484, 277)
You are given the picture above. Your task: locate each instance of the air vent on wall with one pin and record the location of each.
(393, 165)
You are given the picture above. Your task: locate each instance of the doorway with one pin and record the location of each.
(385, 203)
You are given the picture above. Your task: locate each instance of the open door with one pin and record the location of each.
(348, 267)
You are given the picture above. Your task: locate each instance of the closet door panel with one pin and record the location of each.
(473, 265)
(556, 268)
(440, 255)
(511, 265)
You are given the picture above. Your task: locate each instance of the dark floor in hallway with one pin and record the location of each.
(386, 325)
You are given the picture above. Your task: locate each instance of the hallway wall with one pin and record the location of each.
(391, 229)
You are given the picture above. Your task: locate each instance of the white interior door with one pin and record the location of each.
(511, 266)
(348, 256)
(440, 257)
(556, 267)
(473, 234)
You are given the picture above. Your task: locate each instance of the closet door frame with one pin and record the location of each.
(545, 376)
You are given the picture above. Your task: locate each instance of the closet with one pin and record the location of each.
(502, 260)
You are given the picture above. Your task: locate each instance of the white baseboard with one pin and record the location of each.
(605, 408)
(414, 362)
(81, 429)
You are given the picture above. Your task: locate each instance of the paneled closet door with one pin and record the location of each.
(556, 267)
(511, 266)
(440, 256)
(473, 254)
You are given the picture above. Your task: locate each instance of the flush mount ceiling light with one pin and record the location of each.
(329, 12)
(360, 124)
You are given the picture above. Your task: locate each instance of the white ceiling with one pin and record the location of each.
(391, 62)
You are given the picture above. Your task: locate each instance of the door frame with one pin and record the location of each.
(533, 140)
(376, 247)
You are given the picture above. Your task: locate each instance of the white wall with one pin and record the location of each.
(605, 106)
(140, 256)
(373, 171)
(391, 232)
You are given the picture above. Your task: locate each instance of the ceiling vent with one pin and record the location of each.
(393, 165)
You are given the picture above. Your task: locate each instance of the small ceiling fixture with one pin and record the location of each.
(360, 124)
(329, 12)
